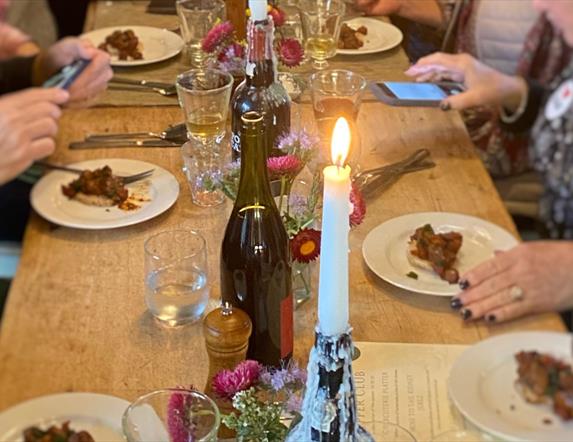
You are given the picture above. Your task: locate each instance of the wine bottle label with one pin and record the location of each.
(286, 326)
(236, 143)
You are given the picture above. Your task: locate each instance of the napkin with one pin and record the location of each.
(161, 7)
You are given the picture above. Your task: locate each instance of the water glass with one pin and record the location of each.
(176, 290)
(204, 96)
(337, 93)
(196, 18)
(321, 21)
(171, 415)
(202, 166)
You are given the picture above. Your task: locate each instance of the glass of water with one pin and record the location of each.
(197, 17)
(176, 290)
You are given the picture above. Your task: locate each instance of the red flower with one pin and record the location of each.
(227, 383)
(217, 35)
(284, 165)
(180, 428)
(290, 52)
(305, 245)
(358, 207)
(278, 15)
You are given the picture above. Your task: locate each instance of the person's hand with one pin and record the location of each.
(11, 41)
(378, 7)
(484, 85)
(533, 277)
(91, 81)
(28, 125)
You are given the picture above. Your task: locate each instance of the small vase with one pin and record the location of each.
(302, 281)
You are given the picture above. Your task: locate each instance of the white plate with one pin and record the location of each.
(156, 44)
(481, 385)
(98, 414)
(386, 246)
(48, 200)
(381, 36)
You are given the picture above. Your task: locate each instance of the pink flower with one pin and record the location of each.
(290, 52)
(234, 50)
(278, 15)
(227, 383)
(216, 36)
(358, 207)
(284, 165)
(180, 427)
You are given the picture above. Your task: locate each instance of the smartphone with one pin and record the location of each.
(398, 93)
(67, 75)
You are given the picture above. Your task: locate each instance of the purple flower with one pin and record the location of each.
(227, 383)
(179, 425)
(294, 403)
(279, 378)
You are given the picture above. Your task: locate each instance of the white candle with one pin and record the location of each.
(333, 282)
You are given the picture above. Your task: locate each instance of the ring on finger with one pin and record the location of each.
(516, 293)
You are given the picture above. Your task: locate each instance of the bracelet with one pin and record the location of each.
(508, 118)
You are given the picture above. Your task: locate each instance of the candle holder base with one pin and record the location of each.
(329, 406)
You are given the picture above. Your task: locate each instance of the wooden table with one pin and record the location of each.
(75, 319)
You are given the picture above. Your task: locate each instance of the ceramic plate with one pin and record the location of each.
(98, 414)
(161, 189)
(385, 248)
(156, 44)
(482, 386)
(381, 36)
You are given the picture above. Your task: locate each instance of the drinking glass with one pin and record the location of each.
(204, 96)
(321, 21)
(202, 166)
(171, 415)
(196, 18)
(337, 93)
(176, 290)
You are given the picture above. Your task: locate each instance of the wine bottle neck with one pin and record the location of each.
(254, 187)
(261, 62)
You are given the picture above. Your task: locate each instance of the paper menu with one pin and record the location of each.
(406, 384)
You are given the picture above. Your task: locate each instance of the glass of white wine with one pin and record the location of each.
(321, 21)
(204, 96)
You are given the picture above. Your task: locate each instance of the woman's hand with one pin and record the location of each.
(484, 85)
(11, 41)
(533, 277)
(91, 81)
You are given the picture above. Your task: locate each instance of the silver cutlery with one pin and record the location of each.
(175, 133)
(88, 144)
(125, 178)
(166, 92)
(166, 89)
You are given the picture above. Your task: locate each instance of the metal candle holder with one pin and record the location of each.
(329, 405)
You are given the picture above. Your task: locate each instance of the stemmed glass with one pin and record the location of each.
(321, 21)
(197, 17)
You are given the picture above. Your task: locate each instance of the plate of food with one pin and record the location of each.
(517, 386)
(427, 252)
(136, 45)
(66, 417)
(363, 35)
(98, 199)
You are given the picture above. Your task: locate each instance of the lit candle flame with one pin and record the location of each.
(340, 142)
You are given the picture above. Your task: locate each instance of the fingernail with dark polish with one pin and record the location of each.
(490, 318)
(445, 106)
(466, 313)
(464, 284)
(456, 303)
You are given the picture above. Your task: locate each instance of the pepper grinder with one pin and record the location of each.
(226, 330)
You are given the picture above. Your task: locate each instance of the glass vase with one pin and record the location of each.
(302, 281)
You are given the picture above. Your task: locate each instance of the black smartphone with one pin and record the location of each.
(67, 75)
(398, 93)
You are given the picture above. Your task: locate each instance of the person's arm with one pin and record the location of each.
(427, 12)
(522, 117)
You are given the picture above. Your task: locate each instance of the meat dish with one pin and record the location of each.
(97, 187)
(351, 38)
(545, 379)
(56, 434)
(124, 44)
(436, 251)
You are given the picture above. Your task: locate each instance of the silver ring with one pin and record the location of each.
(516, 293)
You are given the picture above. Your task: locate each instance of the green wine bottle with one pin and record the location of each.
(255, 255)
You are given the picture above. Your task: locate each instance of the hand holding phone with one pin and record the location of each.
(414, 94)
(64, 78)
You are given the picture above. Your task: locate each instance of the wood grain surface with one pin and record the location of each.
(76, 320)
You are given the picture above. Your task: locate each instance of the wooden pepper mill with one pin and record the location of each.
(226, 330)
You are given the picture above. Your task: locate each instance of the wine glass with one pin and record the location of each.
(321, 21)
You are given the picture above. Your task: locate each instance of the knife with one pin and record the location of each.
(122, 143)
(145, 83)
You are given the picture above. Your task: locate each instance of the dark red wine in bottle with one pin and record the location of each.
(255, 255)
(260, 90)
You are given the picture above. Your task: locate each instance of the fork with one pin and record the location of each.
(126, 179)
(177, 132)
